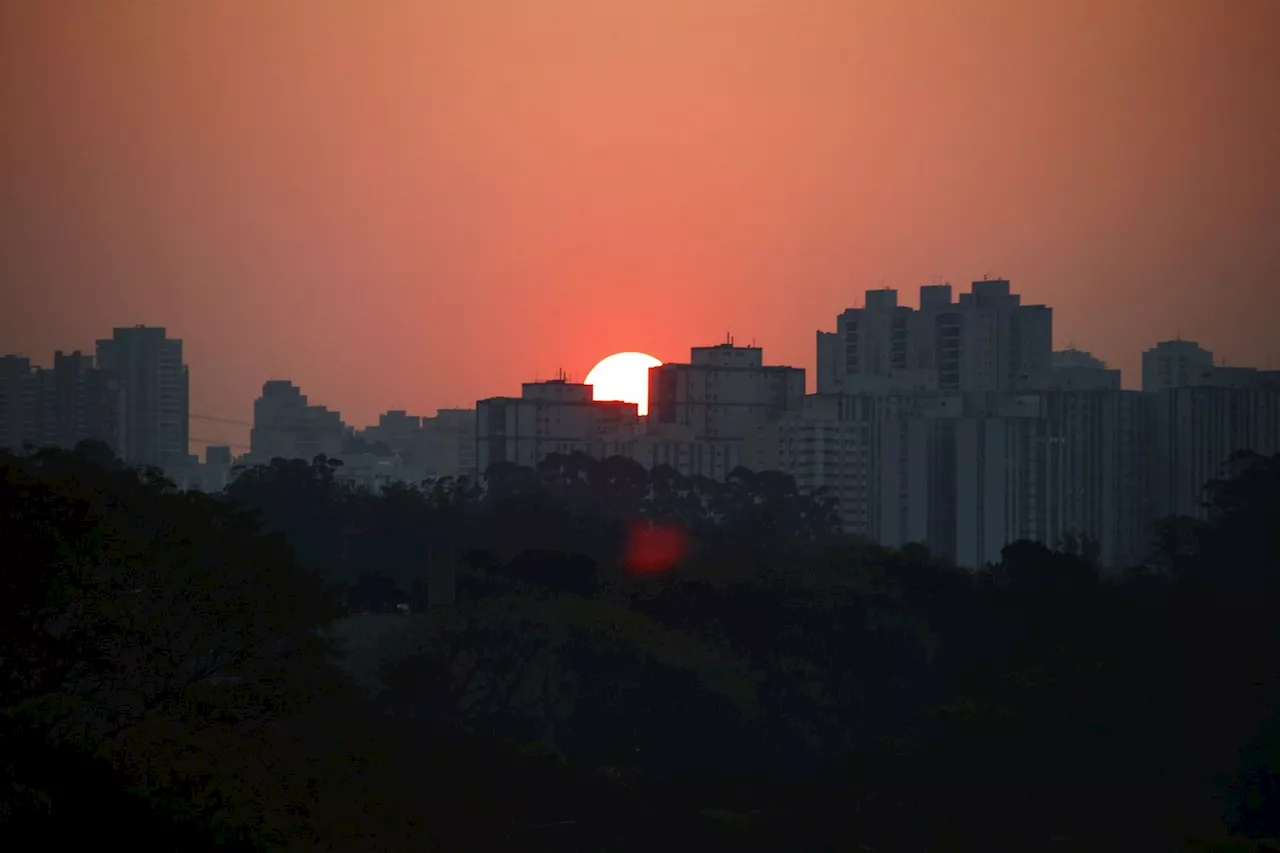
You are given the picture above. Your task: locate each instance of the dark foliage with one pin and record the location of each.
(280, 668)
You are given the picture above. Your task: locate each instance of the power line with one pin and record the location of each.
(218, 442)
(218, 420)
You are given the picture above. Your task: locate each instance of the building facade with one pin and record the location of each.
(987, 342)
(1097, 471)
(722, 394)
(556, 416)
(1000, 489)
(1196, 430)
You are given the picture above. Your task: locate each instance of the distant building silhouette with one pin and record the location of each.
(156, 387)
(19, 403)
(217, 455)
(285, 426)
(984, 343)
(81, 402)
(426, 447)
(446, 444)
(717, 412)
(722, 392)
(1172, 364)
(706, 417)
(1075, 358)
(556, 416)
(1201, 413)
(210, 475)
(397, 429)
(954, 424)
(61, 406)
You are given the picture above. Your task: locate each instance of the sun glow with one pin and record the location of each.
(623, 376)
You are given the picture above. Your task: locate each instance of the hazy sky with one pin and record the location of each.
(414, 204)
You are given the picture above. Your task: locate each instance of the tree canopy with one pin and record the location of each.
(277, 667)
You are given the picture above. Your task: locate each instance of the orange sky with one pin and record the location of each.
(414, 204)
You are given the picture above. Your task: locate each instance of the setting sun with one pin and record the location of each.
(623, 376)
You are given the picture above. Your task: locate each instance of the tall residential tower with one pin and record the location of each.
(155, 384)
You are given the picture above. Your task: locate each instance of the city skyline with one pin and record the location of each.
(231, 429)
(557, 424)
(419, 207)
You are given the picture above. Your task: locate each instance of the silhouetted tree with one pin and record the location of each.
(167, 660)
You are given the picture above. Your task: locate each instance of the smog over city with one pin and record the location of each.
(650, 424)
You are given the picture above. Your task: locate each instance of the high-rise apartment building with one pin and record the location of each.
(913, 468)
(916, 468)
(556, 416)
(155, 384)
(829, 446)
(870, 342)
(19, 403)
(828, 363)
(61, 406)
(1201, 414)
(986, 343)
(874, 337)
(873, 453)
(1048, 446)
(80, 402)
(722, 394)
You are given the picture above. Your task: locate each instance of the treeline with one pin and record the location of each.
(569, 508)
(182, 667)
